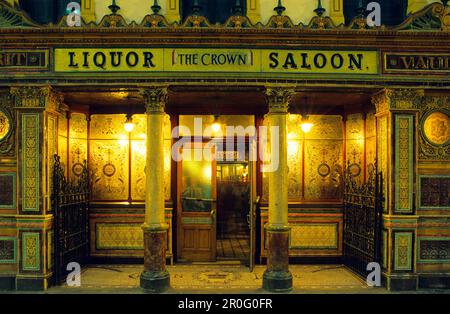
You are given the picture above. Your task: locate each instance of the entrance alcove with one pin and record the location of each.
(343, 135)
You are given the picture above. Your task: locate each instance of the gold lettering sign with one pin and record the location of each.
(208, 60)
(30, 60)
(417, 62)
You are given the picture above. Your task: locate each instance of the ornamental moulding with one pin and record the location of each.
(434, 17)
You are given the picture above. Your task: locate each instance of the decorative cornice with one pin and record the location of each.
(434, 17)
(278, 99)
(155, 98)
(30, 96)
(10, 17)
(398, 99)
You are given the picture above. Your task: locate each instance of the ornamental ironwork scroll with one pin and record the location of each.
(363, 204)
(70, 201)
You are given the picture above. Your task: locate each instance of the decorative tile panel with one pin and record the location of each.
(30, 162)
(384, 250)
(434, 191)
(119, 236)
(8, 190)
(31, 252)
(434, 250)
(382, 147)
(355, 145)
(52, 149)
(404, 162)
(78, 144)
(8, 250)
(403, 250)
(314, 236)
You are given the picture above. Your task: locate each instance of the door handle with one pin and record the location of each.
(213, 213)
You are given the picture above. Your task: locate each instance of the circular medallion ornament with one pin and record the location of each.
(77, 169)
(5, 125)
(436, 128)
(109, 170)
(355, 170)
(323, 170)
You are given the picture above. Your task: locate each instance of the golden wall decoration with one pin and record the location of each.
(371, 142)
(30, 162)
(404, 163)
(31, 256)
(123, 170)
(52, 149)
(138, 160)
(294, 151)
(109, 157)
(110, 236)
(314, 236)
(324, 158)
(109, 169)
(382, 147)
(78, 147)
(5, 125)
(436, 128)
(108, 127)
(355, 145)
(326, 127)
(323, 169)
(62, 142)
(188, 122)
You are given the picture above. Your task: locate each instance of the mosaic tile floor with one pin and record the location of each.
(220, 278)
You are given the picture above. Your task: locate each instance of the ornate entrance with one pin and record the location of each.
(363, 206)
(70, 202)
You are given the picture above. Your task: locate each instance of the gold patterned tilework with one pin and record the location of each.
(30, 162)
(314, 236)
(119, 236)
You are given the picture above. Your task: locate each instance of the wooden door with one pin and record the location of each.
(197, 205)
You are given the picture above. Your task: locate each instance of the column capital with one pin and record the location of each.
(399, 99)
(43, 97)
(278, 99)
(30, 96)
(155, 99)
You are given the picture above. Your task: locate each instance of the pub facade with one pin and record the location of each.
(329, 137)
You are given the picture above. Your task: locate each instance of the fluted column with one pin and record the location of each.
(155, 277)
(277, 276)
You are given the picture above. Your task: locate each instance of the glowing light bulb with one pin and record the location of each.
(129, 125)
(216, 126)
(307, 127)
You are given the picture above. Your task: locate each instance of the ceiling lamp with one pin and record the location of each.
(129, 125)
(216, 126)
(306, 125)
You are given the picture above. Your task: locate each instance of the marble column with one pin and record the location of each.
(155, 277)
(277, 277)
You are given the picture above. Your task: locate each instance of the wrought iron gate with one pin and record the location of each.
(70, 202)
(363, 206)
